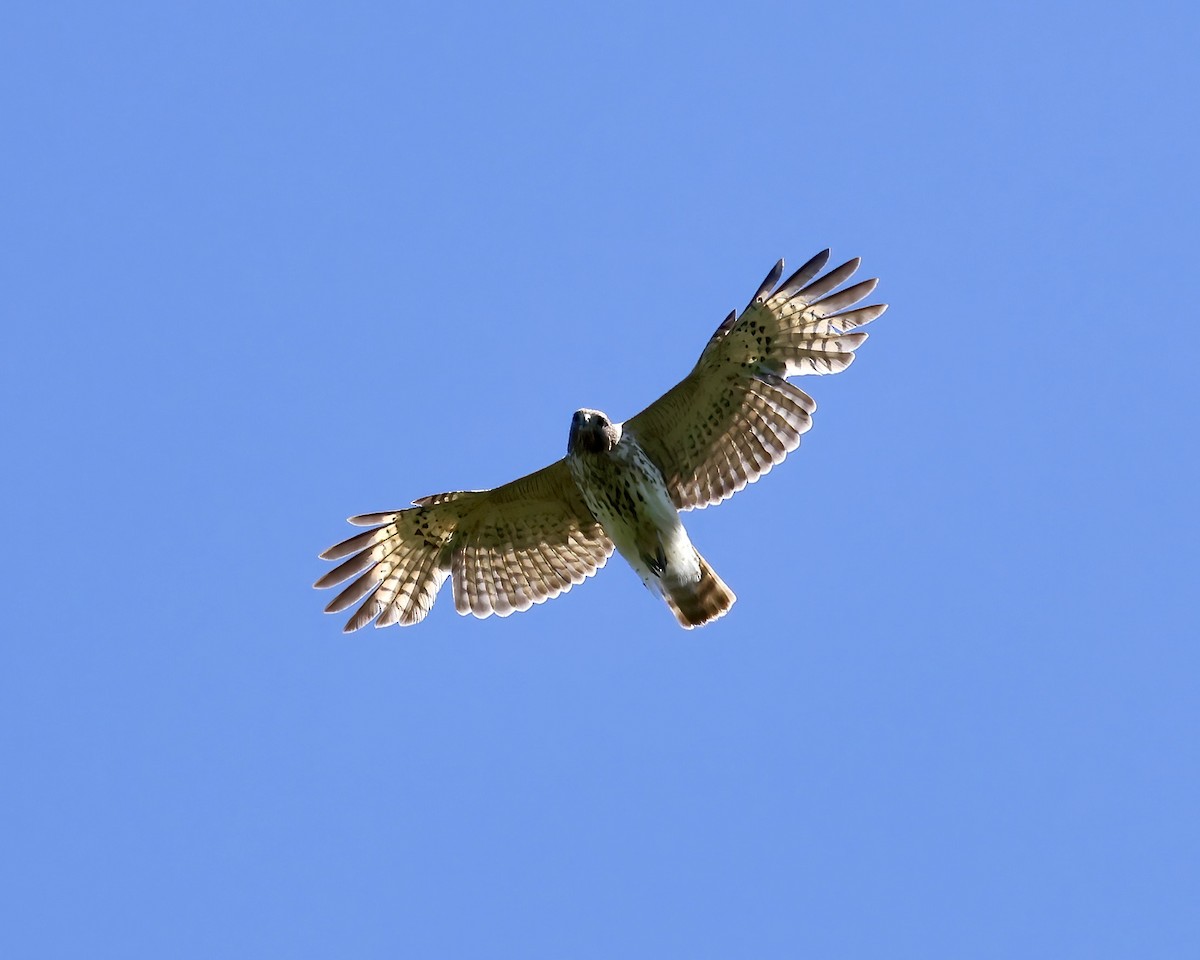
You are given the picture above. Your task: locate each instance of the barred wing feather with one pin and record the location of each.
(505, 550)
(736, 415)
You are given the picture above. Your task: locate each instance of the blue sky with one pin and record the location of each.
(269, 265)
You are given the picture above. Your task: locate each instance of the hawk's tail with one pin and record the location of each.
(695, 604)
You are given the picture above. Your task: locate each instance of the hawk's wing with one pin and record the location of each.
(507, 549)
(735, 415)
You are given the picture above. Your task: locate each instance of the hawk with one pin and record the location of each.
(621, 485)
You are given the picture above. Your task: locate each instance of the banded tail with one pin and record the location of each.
(695, 604)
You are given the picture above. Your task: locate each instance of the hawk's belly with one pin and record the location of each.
(625, 491)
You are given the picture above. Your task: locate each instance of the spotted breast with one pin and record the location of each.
(625, 490)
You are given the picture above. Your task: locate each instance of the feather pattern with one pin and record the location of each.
(504, 549)
(735, 415)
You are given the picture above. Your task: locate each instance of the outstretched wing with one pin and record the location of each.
(506, 549)
(735, 415)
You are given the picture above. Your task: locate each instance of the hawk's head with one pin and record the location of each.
(592, 432)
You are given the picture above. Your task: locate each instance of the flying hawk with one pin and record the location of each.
(621, 485)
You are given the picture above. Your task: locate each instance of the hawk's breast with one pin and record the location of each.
(626, 492)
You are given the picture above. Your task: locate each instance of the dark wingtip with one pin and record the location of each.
(807, 271)
(768, 283)
(372, 519)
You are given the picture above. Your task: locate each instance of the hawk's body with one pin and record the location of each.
(621, 485)
(626, 492)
